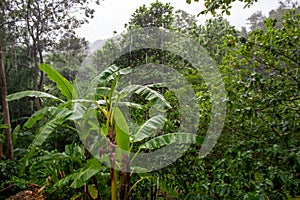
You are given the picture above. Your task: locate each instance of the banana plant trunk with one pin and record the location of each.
(125, 169)
(112, 158)
(125, 178)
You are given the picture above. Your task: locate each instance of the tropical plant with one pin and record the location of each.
(114, 127)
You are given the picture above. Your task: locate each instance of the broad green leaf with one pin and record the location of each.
(105, 77)
(122, 130)
(118, 73)
(82, 177)
(60, 112)
(147, 92)
(107, 72)
(3, 126)
(103, 91)
(66, 180)
(14, 134)
(55, 156)
(36, 117)
(130, 104)
(171, 138)
(148, 128)
(93, 191)
(111, 73)
(43, 134)
(84, 174)
(77, 196)
(53, 111)
(165, 187)
(31, 93)
(62, 83)
(47, 129)
(112, 91)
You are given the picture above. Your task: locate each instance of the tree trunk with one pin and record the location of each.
(42, 76)
(8, 140)
(1, 149)
(112, 158)
(125, 177)
(35, 79)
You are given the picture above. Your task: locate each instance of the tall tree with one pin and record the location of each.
(68, 54)
(157, 15)
(224, 5)
(184, 21)
(211, 36)
(42, 22)
(279, 13)
(8, 141)
(6, 115)
(256, 20)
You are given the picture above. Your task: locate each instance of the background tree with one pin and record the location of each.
(257, 155)
(211, 36)
(224, 5)
(68, 54)
(6, 115)
(41, 23)
(183, 21)
(157, 15)
(256, 21)
(280, 12)
(8, 141)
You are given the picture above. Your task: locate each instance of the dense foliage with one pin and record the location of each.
(257, 155)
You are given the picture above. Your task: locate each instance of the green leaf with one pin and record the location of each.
(130, 104)
(76, 196)
(46, 130)
(36, 117)
(55, 156)
(148, 128)
(107, 72)
(62, 83)
(43, 134)
(31, 93)
(3, 126)
(112, 72)
(14, 134)
(167, 139)
(93, 191)
(165, 187)
(54, 111)
(122, 130)
(84, 174)
(147, 92)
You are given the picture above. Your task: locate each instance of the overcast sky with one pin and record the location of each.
(111, 15)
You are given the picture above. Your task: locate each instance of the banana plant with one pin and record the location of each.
(57, 115)
(70, 169)
(106, 103)
(115, 128)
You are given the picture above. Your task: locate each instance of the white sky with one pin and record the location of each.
(111, 15)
